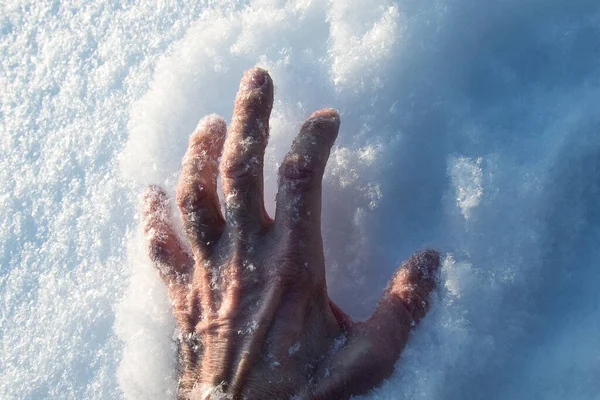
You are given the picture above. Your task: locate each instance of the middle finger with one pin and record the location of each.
(243, 156)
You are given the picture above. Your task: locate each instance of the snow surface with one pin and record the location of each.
(471, 126)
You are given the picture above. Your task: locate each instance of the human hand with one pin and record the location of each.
(251, 300)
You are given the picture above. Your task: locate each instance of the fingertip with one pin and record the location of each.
(254, 78)
(326, 113)
(419, 270)
(212, 123)
(324, 124)
(427, 261)
(152, 190)
(153, 208)
(253, 103)
(256, 86)
(152, 197)
(204, 147)
(209, 135)
(429, 254)
(325, 119)
(413, 282)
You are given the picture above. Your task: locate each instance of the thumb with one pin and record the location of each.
(406, 299)
(373, 347)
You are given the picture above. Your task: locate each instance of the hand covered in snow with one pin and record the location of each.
(251, 300)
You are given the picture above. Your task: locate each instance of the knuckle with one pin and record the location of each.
(159, 254)
(242, 170)
(253, 103)
(402, 312)
(191, 196)
(417, 310)
(249, 133)
(417, 302)
(293, 272)
(301, 171)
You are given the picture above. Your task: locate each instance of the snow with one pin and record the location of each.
(467, 126)
(294, 348)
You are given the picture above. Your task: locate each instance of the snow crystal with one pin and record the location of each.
(294, 348)
(467, 180)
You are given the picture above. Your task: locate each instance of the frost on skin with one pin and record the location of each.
(251, 302)
(294, 348)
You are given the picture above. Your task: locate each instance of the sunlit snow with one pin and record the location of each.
(470, 126)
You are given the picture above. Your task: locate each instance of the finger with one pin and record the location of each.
(298, 210)
(407, 295)
(242, 162)
(197, 197)
(373, 347)
(167, 254)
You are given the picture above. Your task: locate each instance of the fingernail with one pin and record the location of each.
(254, 78)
